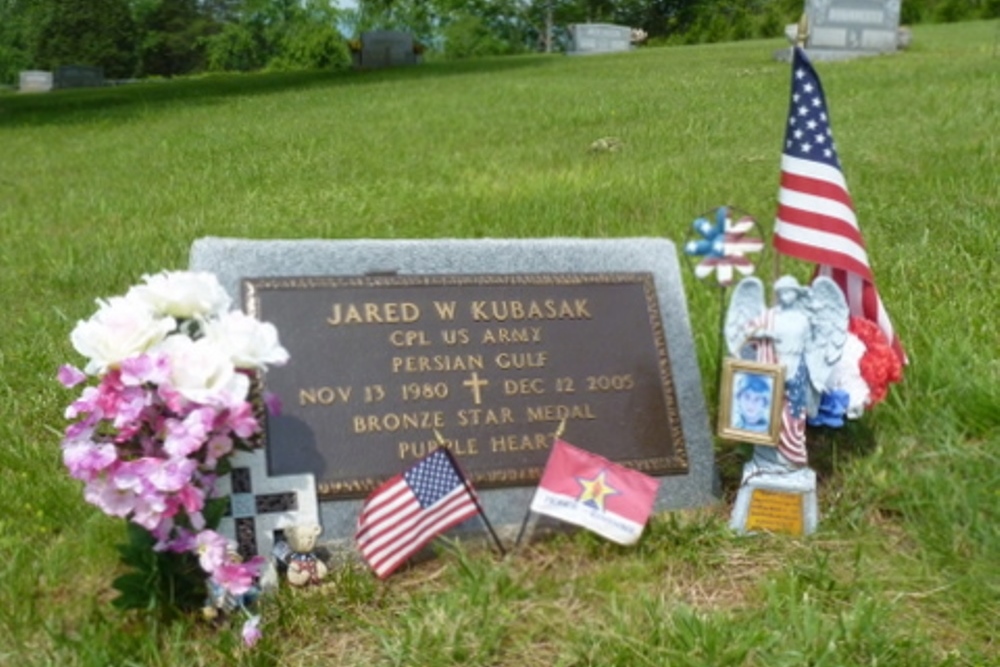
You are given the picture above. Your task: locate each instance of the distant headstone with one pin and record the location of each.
(593, 38)
(841, 29)
(78, 76)
(491, 344)
(387, 48)
(35, 81)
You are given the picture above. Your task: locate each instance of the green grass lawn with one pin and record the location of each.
(98, 187)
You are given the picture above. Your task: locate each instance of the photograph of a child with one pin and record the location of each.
(752, 402)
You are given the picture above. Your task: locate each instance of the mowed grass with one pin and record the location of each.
(98, 187)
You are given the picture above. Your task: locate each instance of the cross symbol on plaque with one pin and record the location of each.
(475, 385)
(260, 505)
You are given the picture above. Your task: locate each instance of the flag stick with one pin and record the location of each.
(472, 494)
(527, 512)
(722, 335)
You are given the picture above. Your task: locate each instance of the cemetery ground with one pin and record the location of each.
(98, 187)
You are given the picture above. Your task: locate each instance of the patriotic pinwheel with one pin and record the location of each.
(724, 244)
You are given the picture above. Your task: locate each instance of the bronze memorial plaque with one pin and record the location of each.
(494, 363)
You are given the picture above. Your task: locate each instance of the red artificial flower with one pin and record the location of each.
(879, 365)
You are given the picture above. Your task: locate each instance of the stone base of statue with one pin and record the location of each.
(775, 498)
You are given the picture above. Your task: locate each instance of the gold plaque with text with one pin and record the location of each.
(776, 512)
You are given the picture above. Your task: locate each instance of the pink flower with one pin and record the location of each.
(70, 376)
(150, 512)
(241, 420)
(131, 402)
(218, 447)
(191, 499)
(86, 404)
(113, 501)
(145, 368)
(186, 437)
(251, 631)
(211, 549)
(172, 475)
(237, 578)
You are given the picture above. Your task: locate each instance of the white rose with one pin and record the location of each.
(251, 344)
(120, 329)
(182, 294)
(201, 371)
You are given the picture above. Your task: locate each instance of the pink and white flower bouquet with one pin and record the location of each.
(167, 398)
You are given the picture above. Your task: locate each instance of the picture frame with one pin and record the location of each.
(750, 401)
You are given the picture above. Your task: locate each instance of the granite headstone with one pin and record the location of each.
(265, 263)
(595, 38)
(35, 81)
(386, 48)
(78, 76)
(842, 29)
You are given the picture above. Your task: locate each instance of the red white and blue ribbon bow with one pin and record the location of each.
(724, 245)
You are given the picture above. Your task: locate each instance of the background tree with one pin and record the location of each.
(19, 24)
(174, 37)
(101, 33)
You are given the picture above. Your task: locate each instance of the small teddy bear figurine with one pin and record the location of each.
(304, 566)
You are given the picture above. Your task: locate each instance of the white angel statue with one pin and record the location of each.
(804, 332)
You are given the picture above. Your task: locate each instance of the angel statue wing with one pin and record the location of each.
(745, 307)
(828, 315)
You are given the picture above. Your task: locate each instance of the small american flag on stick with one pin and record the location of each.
(411, 509)
(816, 220)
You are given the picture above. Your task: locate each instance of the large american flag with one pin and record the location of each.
(816, 220)
(411, 509)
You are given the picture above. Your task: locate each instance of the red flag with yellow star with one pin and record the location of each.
(592, 492)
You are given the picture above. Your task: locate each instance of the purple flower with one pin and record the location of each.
(70, 376)
(86, 460)
(273, 403)
(251, 631)
(186, 437)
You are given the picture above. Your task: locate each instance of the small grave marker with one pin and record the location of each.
(78, 76)
(594, 38)
(386, 48)
(35, 81)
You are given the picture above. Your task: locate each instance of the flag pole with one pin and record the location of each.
(527, 512)
(801, 35)
(472, 494)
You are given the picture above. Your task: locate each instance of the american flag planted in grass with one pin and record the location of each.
(411, 509)
(816, 220)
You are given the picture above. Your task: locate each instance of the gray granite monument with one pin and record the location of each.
(78, 76)
(595, 38)
(842, 29)
(386, 48)
(35, 81)
(409, 354)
